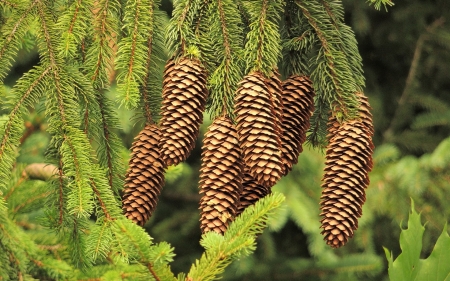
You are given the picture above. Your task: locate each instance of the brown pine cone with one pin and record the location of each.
(184, 98)
(145, 176)
(298, 107)
(220, 176)
(349, 160)
(251, 193)
(256, 130)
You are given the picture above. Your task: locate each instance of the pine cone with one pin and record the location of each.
(145, 176)
(220, 176)
(251, 193)
(256, 130)
(298, 107)
(349, 160)
(184, 97)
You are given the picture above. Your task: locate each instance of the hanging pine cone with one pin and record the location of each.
(184, 97)
(298, 107)
(349, 160)
(256, 130)
(220, 176)
(145, 176)
(251, 193)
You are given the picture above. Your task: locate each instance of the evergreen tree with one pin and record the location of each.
(77, 193)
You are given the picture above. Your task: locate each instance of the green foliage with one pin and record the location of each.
(239, 240)
(61, 111)
(408, 265)
(226, 36)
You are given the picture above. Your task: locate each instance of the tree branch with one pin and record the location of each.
(389, 132)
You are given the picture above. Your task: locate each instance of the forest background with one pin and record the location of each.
(406, 55)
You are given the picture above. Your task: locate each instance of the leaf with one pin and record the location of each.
(436, 266)
(408, 265)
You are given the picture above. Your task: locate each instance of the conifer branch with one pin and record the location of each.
(131, 52)
(152, 272)
(30, 201)
(10, 131)
(226, 33)
(180, 34)
(10, 44)
(263, 46)
(99, 62)
(108, 152)
(237, 241)
(346, 39)
(73, 27)
(99, 58)
(377, 3)
(298, 41)
(156, 56)
(337, 68)
(102, 204)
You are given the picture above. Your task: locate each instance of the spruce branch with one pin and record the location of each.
(27, 92)
(332, 75)
(98, 65)
(226, 33)
(377, 3)
(238, 240)
(131, 52)
(71, 142)
(108, 151)
(180, 34)
(73, 26)
(16, 27)
(100, 54)
(156, 56)
(298, 40)
(263, 46)
(347, 40)
(155, 258)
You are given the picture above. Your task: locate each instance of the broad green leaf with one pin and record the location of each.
(437, 267)
(409, 266)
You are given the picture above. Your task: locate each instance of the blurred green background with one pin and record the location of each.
(406, 57)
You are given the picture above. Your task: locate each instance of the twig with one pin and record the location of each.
(388, 133)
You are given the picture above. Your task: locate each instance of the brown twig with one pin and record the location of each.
(388, 133)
